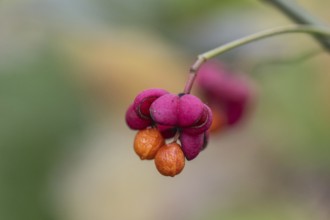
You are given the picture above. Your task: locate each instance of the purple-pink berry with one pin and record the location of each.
(225, 89)
(203, 124)
(144, 100)
(234, 111)
(164, 110)
(219, 82)
(177, 110)
(134, 121)
(191, 144)
(190, 110)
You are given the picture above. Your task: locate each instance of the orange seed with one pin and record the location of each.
(147, 142)
(170, 159)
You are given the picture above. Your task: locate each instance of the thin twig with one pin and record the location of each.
(297, 14)
(309, 29)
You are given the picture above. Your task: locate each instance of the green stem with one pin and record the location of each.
(318, 31)
(300, 16)
(265, 34)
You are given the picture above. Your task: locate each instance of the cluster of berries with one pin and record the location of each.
(160, 115)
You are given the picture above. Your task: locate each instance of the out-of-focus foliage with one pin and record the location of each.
(39, 113)
(298, 119)
(163, 14)
(273, 210)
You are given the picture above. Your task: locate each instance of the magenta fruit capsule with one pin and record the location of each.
(219, 83)
(191, 144)
(144, 100)
(203, 124)
(134, 121)
(190, 110)
(173, 110)
(164, 110)
(234, 112)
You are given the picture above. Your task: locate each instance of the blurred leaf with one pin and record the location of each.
(164, 14)
(39, 111)
(270, 210)
(186, 11)
(293, 115)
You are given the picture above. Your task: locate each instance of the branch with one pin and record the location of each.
(300, 16)
(316, 31)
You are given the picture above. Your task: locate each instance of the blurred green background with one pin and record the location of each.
(70, 68)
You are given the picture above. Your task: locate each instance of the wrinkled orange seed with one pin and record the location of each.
(170, 159)
(147, 142)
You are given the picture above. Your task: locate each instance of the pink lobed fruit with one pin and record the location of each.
(226, 90)
(190, 110)
(234, 112)
(144, 100)
(217, 81)
(191, 144)
(203, 124)
(177, 110)
(164, 110)
(134, 121)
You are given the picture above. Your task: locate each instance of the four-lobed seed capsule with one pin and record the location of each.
(160, 115)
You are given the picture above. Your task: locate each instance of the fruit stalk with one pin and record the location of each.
(192, 74)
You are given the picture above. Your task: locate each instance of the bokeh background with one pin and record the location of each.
(70, 68)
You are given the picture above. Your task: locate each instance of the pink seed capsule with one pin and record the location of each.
(191, 144)
(220, 83)
(167, 131)
(144, 100)
(164, 110)
(134, 121)
(203, 124)
(235, 111)
(190, 110)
